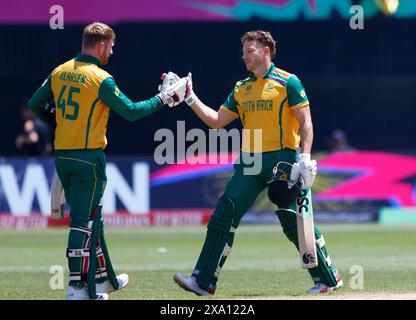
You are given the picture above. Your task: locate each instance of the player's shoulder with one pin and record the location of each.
(289, 78)
(282, 74)
(101, 73)
(63, 66)
(89, 69)
(95, 72)
(241, 83)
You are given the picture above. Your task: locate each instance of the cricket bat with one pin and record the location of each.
(57, 198)
(306, 230)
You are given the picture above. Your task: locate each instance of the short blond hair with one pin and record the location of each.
(264, 37)
(95, 33)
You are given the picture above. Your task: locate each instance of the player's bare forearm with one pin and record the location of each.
(213, 119)
(306, 136)
(206, 114)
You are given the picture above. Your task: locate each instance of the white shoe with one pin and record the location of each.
(73, 293)
(190, 284)
(323, 288)
(107, 287)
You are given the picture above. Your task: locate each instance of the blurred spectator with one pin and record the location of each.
(339, 142)
(35, 140)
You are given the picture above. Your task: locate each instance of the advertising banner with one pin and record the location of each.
(350, 187)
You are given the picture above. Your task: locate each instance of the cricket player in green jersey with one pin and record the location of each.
(274, 101)
(84, 94)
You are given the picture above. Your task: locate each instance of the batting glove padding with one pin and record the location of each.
(174, 94)
(169, 79)
(305, 168)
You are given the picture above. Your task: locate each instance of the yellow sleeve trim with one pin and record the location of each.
(236, 115)
(300, 105)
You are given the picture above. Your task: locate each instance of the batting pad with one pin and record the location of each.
(325, 272)
(217, 245)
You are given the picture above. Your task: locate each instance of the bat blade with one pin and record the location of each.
(306, 230)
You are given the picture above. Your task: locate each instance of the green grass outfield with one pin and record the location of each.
(263, 263)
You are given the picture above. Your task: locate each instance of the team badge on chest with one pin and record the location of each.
(269, 87)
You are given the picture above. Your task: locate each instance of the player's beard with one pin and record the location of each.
(104, 59)
(248, 66)
(254, 64)
(251, 67)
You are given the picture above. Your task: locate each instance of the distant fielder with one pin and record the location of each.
(84, 94)
(275, 101)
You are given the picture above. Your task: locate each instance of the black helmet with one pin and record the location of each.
(282, 191)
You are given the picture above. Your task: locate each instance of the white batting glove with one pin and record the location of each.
(305, 168)
(169, 79)
(174, 94)
(190, 96)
